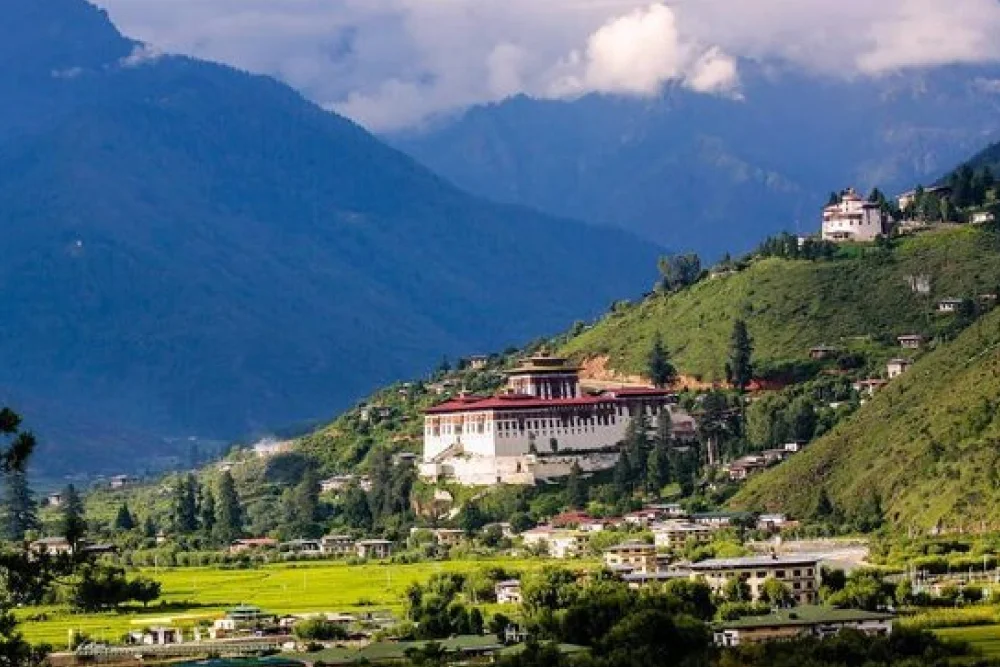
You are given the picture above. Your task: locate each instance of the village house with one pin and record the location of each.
(478, 362)
(911, 341)
(252, 544)
(719, 519)
(556, 543)
(269, 447)
(302, 547)
(674, 535)
(339, 483)
(508, 592)
(638, 580)
(570, 519)
(631, 556)
(669, 510)
(595, 525)
(853, 219)
(908, 198)
(800, 574)
(947, 306)
(745, 467)
(448, 537)
(156, 636)
(869, 386)
(51, 546)
(772, 456)
(536, 430)
(336, 545)
(897, 367)
(405, 458)
(54, 500)
(373, 549)
(982, 217)
(771, 523)
(644, 517)
(805, 621)
(794, 447)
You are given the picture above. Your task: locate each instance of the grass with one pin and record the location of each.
(193, 594)
(791, 306)
(925, 445)
(983, 639)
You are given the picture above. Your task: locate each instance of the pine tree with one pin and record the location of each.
(739, 369)
(661, 370)
(20, 511)
(149, 529)
(72, 524)
(576, 492)
(664, 428)
(302, 505)
(124, 521)
(228, 514)
(657, 469)
(622, 478)
(185, 510)
(206, 510)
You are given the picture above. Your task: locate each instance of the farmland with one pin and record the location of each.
(193, 594)
(983, 638)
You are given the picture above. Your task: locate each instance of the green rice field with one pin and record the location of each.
(194, 594)
(983, 638)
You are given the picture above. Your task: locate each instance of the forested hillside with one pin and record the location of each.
(193, 251)
(924, 451)
(859, 300)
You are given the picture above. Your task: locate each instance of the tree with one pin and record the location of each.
(144, 590)
(576, 491)
(206, 510)
(185, 506)
(776, 593)
(622, 477)
(736, 589)
(476, 623)
(124, 521)
(356, 511)
(228, 513)
(72, 524)
(472, 518)
(661, 370)
(657, 468)
(824, 506)
(739, 369)
(20, 511)
(26, 577)
(679, 271)
(302, 506)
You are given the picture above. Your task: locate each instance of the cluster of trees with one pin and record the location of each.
(101, 587)
(969, 189)
(198, 509)
(679, 271)
(386, 507)
(436, 612)
(647, 464)
(787, 246)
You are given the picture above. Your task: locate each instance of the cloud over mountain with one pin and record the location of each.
(392, 63)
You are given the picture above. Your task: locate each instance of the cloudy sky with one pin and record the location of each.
(391, 64)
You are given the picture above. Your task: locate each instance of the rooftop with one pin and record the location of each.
(754, 561)
(805, 615)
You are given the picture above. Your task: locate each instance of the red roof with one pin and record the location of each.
(525, 401)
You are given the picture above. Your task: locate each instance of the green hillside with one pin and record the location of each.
(861, 300)
(926, 447)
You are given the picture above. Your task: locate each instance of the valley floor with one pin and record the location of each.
(194, 594)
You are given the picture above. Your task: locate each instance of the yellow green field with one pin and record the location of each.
(191, 594)
(983, 638)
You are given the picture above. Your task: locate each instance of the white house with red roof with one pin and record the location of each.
(537, 429)
(853, 219)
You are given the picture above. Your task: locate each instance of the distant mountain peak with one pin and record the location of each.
(43, 37)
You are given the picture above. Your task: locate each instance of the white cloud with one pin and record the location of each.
(393, 63)
(636, 54)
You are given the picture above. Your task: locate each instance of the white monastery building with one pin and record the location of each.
(535, 430)
(853, 219)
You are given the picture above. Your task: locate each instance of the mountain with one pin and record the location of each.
(925, 446)
(190, 250)
(861, 300)
(714, 174)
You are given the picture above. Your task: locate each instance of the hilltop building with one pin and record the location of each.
(853, 219)
(536, 429)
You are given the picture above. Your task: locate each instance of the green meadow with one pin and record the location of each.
(194, 594)
(983, 638)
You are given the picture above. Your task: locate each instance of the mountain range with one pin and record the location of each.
(190, 250)
(715, 174)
